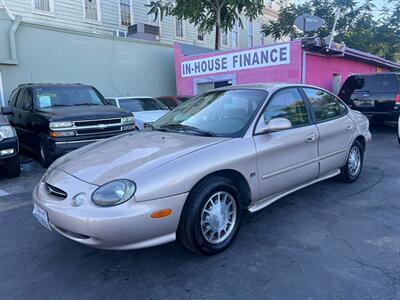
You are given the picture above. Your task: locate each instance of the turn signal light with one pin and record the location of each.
(161, 213)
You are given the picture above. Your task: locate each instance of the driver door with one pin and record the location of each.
(287, 158)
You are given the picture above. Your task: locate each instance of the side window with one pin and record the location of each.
(27, 103)
(326, 106)
(20, 99)
(288, 104)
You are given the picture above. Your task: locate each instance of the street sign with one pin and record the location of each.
(307, 22)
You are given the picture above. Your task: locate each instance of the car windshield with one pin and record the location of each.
(67, 96)
(141, 104)
(218, 113)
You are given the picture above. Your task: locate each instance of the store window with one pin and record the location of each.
(235, 34)
(179, 30)
(45, 6)
(250, 34)
(125, 12)
(92, 10)
(224, 38)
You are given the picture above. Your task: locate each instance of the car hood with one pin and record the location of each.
(76, 113)
(129, 155)
(149, 116)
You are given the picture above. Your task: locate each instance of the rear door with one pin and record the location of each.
(371, 94)
(287, 158)
(335, 129)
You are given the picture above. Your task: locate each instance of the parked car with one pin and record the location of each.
(146, 110)
(173, 101)
(376, 95)
(9, 147)
(398, 130)
(53, 119)
(202, 165)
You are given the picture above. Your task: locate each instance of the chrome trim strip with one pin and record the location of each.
(98, 126)
(268, 201)
(300, 165)
(77, 142)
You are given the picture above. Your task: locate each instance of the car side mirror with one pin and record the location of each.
(274, 125)
(27, 107)
(5, 110)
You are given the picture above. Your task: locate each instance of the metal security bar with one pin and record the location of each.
(42, 5)
(91, 10)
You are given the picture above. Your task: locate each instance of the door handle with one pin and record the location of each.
(349, 127)
(311, 138)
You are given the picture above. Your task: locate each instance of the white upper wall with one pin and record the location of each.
(106, 16)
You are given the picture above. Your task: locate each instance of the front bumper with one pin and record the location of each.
(123, 227)
(60, 146)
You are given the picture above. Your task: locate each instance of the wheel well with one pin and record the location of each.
(362, 140)
(239, 180)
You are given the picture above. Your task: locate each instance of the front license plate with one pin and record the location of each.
(364, 103)
(41, 215)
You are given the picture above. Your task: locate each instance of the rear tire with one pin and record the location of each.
(211, 217)
(354, 163)
(12, 167)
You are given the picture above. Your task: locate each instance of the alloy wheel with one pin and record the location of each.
(218, 217)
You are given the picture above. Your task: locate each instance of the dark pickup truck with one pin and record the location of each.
(375, 95)
(53, 119)
(9, 148)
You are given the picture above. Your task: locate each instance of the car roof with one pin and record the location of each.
(41, 85)
(131, 97)
(375, 74)
(269, 87)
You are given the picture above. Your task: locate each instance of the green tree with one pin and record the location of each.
(357, 26)
(208, 15)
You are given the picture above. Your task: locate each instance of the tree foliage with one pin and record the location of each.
(208, 15)
(358, 27)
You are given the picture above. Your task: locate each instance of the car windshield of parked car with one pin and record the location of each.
(219, 113)
(66, 96)
(141, 104)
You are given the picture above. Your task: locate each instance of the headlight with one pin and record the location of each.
(54, 125)
(127, 120)
(114, 193)
(6, 132)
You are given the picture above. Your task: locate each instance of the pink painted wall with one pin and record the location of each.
(290, 73)
(320, 69)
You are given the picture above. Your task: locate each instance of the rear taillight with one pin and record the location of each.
(398, 100)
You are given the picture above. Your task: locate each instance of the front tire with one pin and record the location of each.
(44, 154)
(211, 217)
(354, 163)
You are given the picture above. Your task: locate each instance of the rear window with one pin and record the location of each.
(141, 104)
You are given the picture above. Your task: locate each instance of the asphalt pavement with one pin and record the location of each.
(328, 241)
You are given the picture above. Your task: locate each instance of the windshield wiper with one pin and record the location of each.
(88, 104)
(58, 105)
(187, 128)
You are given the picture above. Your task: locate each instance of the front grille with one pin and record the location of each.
(98, 130)
(51, 189)
(97, 122)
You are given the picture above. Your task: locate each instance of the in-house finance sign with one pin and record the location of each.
(247, 59)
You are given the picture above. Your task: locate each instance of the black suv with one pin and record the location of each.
(53, 119)
(376, 95)
(9, 148)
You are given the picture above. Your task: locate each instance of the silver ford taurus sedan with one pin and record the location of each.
(200, 167)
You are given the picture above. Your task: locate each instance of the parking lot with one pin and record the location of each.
(328, 241)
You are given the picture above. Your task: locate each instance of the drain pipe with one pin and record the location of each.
(13, 44)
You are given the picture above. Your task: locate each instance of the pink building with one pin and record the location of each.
(200, 69)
